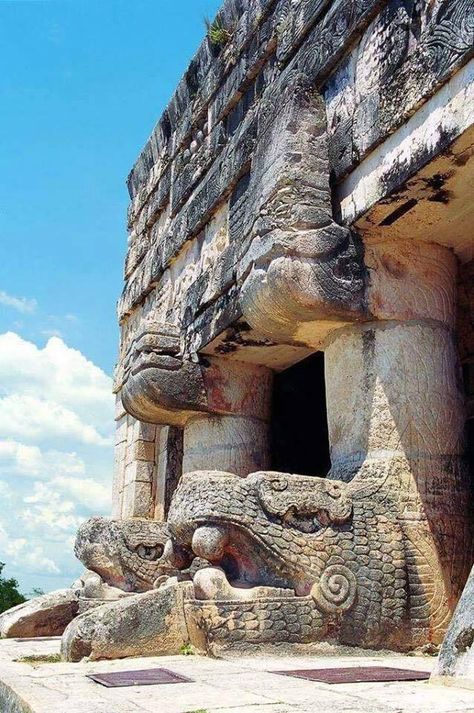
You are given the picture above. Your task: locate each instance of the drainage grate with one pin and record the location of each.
(147, 677)
(357, 674)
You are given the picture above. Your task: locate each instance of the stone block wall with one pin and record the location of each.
(263, 154)
(190, 219)
(404, 55)
(147, 467)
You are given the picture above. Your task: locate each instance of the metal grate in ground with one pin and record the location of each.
(146, 677)
(357, 674)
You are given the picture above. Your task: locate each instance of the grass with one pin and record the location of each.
(199, 710)
(51, 658)
(188, 650)
(217, 33)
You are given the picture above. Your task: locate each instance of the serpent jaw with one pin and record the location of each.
(212, 584)
(125, 553)
(267, 534)
(291, 558)
(281, 559)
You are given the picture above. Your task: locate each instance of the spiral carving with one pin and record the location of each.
(336, 590)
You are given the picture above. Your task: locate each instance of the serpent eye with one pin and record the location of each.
(150, 553)
(279, 484)
(334, 490)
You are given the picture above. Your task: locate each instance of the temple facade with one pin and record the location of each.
(305, 193)
(295, 384)
(299, 277)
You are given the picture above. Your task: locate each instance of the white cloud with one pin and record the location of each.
(88, 492)
(21, 304)
(33, 462)
(62, 373)
(50, 514)
(52, 507)
(22, 554)
(56, 426)
(35, 419)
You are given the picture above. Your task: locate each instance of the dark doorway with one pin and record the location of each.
(300, 442)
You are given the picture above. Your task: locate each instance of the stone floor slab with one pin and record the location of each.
(243, 685)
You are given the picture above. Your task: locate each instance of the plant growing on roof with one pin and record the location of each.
(217, 33)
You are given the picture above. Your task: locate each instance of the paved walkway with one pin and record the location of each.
(243, 685)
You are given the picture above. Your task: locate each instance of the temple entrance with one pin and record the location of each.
(299, 431)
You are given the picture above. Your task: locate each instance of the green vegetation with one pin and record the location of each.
(187, 650)
(35, 660)
(217, 33)
(9, 594)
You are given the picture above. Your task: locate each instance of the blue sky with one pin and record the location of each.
(82, 84)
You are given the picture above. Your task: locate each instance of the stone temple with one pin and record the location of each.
(295, 385)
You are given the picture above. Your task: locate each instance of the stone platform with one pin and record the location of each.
(243, 685)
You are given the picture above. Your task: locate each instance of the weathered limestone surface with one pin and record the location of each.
(416, 183)
(143, 625)
(246, 684)
(455, 665)
(408, 51)
(234, 250)
(47, 615)
(125, 553)
(240, 445)
(394, 367)
(122, 557)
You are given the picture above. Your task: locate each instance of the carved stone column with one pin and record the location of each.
(234, 436)
(235, 444)
(395, 412)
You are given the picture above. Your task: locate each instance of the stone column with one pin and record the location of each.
(234, 436)
(235, 444)
(395, 413)
(222, 406)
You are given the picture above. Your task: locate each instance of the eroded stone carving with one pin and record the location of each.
(338, 556)
(455, 665)
(237, 268)
(141, 625)
(125, 553)
(47, 615)
(122, 557)
(301, 271)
